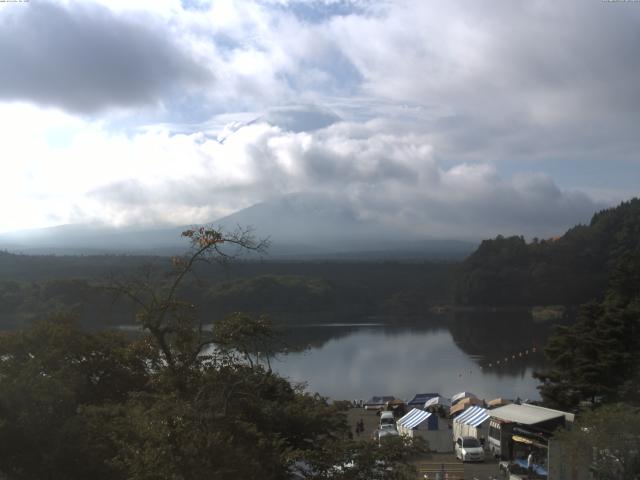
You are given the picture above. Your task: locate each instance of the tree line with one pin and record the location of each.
(594, 364)
(283, 290)
(569, 270)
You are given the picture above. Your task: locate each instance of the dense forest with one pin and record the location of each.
(596, 359)
(34, 287)
(505, 271)
(593, 364)
(568, 270)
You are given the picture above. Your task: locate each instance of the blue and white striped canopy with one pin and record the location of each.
(473, 416)
(414, 418)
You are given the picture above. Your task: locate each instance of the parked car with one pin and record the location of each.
(468, 449)
(387, 420)
(385, 433)
(378, 403)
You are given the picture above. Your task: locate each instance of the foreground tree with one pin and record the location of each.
(173, 323)
(591, 359)
(357, 460)
(607, 440)
(595, 359)
(48, 375)
(180, 402)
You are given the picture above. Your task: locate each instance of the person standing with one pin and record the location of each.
(530, 462)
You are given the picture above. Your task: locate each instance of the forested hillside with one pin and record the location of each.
(35, 287)
(569, 270)
(596, 359)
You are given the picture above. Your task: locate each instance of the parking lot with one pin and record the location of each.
(432, 464)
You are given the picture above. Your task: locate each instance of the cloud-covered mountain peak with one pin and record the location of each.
(300, 118)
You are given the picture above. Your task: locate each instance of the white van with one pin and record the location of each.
(387, 420)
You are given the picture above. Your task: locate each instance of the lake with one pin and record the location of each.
(440, 354)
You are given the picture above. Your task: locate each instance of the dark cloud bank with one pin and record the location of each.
(84, 58)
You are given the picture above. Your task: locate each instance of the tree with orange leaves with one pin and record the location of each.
(173, 323)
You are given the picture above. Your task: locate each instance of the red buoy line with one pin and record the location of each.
(514, 356)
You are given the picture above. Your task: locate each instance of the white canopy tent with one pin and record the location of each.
(426, 425)
(473, 422)
(416, 419)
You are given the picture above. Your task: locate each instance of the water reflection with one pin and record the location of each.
(443, 354)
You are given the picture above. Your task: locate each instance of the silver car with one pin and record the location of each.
(468, 449)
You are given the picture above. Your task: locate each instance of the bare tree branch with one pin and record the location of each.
(172, 323)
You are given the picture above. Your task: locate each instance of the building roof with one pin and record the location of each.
(464, 404)
(414, 418)
(379, 400)
(528, 414)
(420, 398)
(461, 395)
(437, 401)
(474, 416)
(499, 402)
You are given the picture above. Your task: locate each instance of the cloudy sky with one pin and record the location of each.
(467, 117)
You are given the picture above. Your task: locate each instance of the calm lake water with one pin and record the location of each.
(357, 361)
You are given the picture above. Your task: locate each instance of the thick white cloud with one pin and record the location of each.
(436, 105)
(519, 79)
(377, 170)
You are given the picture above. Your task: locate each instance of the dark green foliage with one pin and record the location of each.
(75, 405)
(286, 294)
(46, 374)
(21, 303)
(605, 441)
(180, 402)
(298, 291)
(569, 270)
(355, 460)
(594, 359)
(256, 433)
(591, 359)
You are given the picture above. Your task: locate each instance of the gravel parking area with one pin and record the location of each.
(431, 463)
(434, 463)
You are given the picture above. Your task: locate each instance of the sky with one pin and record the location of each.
(467, 118)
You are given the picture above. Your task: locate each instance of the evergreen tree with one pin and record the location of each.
(594, 359)
(606, 441)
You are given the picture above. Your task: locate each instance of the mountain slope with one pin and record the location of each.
(300, 226)
(571, 269)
